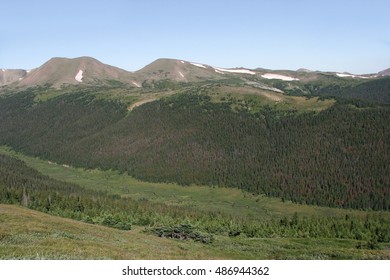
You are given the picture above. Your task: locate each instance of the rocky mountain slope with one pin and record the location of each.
(385, 72)
(83, 70)
(89, 71)
(9, 76)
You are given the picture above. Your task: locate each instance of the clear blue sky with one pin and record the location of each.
(329, 35)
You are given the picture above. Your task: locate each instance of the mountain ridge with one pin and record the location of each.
(59, 71)
(177, 70)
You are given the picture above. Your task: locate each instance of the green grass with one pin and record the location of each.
(129, 96)
(28, 234)
(47, 95)
(254, 99)
(242, 96)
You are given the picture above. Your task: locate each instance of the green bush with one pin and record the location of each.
(182, 232)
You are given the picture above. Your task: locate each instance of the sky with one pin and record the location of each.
(328, 35)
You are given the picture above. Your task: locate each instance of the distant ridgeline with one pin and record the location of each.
(338, 157)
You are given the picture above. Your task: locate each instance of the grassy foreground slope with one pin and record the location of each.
(28, 234)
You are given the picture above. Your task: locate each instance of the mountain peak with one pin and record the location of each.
(304, 70)
(177, 70)
(60, 70)
(385, 72)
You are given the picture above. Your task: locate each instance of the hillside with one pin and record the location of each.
(28, 234)
(276, 164)
(177, 70)
(385, 72)
(173, 74)
(9, 76)
(250, 143)
(82, 70)
(303, 136)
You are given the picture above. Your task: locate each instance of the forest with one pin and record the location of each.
(371, 91)
(338, 157)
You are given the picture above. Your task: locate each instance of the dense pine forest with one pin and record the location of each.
(338, 157)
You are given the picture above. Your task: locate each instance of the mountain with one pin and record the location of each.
(9, 76)
(310, 138)
(385, 72)
(86, 70)
(83, 70)
(167, 73)
(178, 70)
(89, 71)
(304, 70)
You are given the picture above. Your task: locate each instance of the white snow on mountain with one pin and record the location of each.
(181, 74)
(79, 76)
(345, 75)
(239, 71)
(279, 77)
(198, 65)
(136, 84)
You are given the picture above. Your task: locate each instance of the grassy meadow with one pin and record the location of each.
(28, 234)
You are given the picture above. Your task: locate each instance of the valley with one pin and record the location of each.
(229, 201)
(277, 164)
(30, 234)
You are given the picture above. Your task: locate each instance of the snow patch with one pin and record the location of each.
(345, 75)
(218, 71)
(3, 70)
(239, 71)
(182, 61)
(79, 76)
(181, 74)
(278, 77)
(198, 65)
(136, 84)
